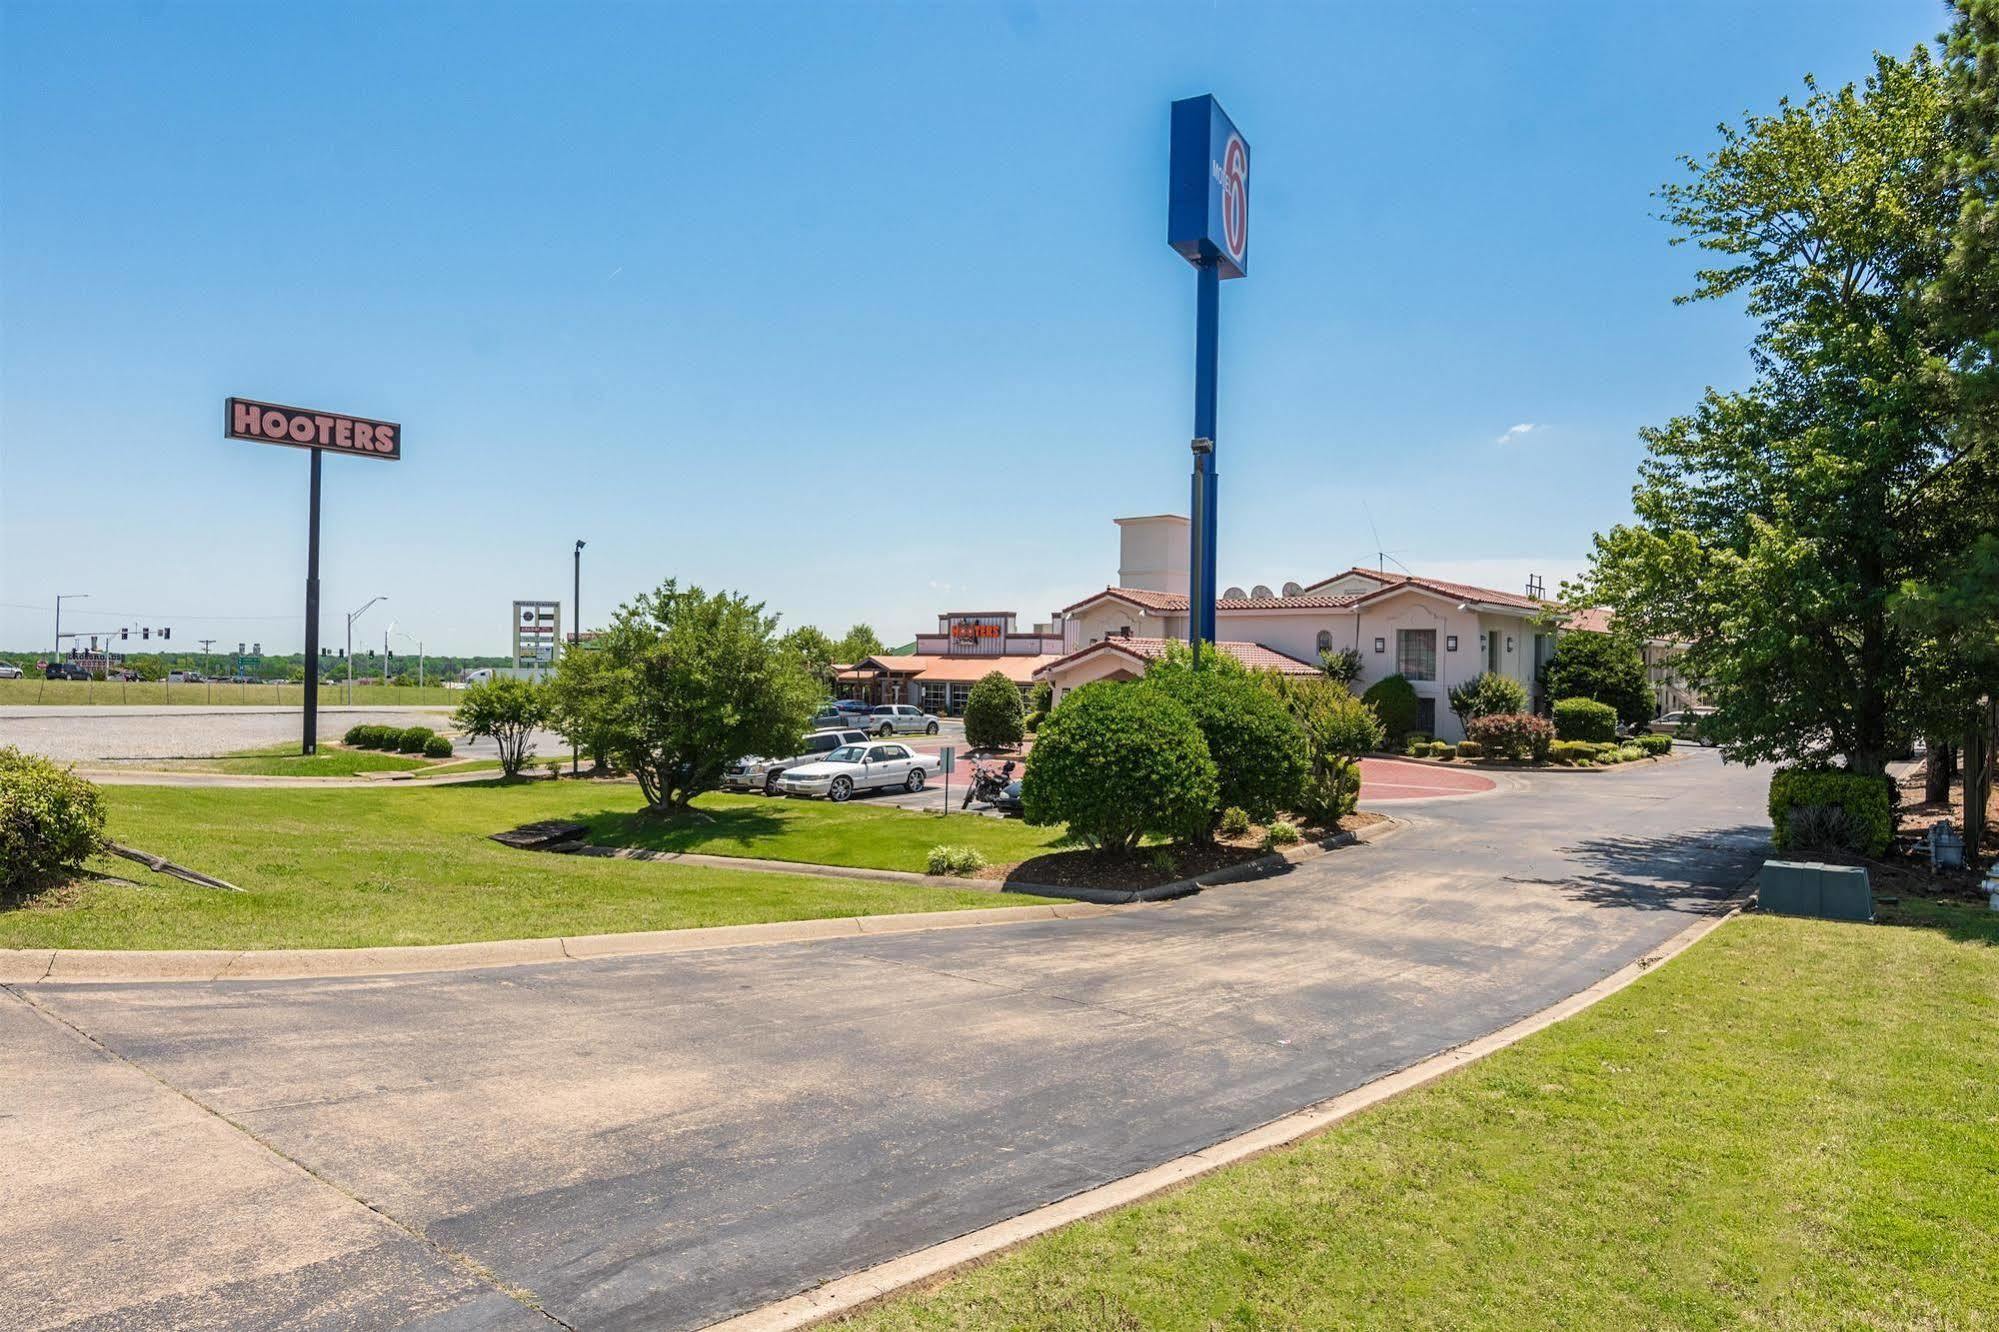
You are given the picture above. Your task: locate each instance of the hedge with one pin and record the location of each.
(1572, 751)
(1584, 719)
(51, 821)
(1470, 749)
(1867, 803)
(413, 740)
(1514, 735)
(1655, 745)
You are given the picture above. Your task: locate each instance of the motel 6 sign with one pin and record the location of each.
(1207, 218)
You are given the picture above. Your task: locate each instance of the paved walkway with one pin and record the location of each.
(659, 1142)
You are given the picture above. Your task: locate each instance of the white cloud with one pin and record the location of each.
(1515, 432)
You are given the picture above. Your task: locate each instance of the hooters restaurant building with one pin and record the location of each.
(939, 675)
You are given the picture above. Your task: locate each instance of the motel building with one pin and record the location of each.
(1436, 634)
(938, 676)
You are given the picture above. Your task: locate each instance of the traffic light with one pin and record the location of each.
(123, 634)
(145, 633)
(256, 649)
(166, 633)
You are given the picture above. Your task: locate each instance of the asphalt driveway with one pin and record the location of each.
(661, 1142)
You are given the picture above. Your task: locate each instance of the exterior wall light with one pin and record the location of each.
(1381, 645)
(1450, 642)
(1509, 642)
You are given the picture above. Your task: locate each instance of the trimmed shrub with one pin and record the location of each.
(1258, 750)
(437, 747)
(1442, 749)
(1584, 719)
(994, 718)
(1801, 797)
(1281, 833)
(356, 737)
(1630, 753)
(1417, 749)
(1394, 701)
(414, 739)
(955, 860)
(1470, 749)
(1572, 751)
(51, 821)
(1115, 763)
(1041, 699)
(1235, 821)
(1032, 722)
(1516, 735)
(1490, 695)
(1655, 745)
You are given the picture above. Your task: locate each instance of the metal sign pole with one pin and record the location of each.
(1201, 574)
(310, 742)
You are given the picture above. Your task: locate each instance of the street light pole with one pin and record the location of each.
(575, 630)
(351, 617)
(81, 596)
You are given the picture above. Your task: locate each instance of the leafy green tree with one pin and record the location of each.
(1774, 524)
(506, 711)
(816, 651)
(1604, 667)
(700, 681)
(1116, 763)
(1258, 750)
(1488, 695)
(861, 641)
(1338, 729)
(993, 716)
(583, 697)
(1342, 666)
(1393, 699)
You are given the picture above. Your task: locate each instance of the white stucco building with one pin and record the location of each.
(1435, 633)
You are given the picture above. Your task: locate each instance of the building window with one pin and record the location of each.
(935, 697)
(1426, 715)
(1416, 653)
(1325, 640)
(1381, 645)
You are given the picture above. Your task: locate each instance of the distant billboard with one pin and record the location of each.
(537, 630)
(304, 428)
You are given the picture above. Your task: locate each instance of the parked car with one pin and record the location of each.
(852, 768)
(9, 671)
(184, 677)
(900, 719)
(761, 774)
(65, 670)
(1683, 725)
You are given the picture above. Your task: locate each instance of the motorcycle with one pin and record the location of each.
(988, 784)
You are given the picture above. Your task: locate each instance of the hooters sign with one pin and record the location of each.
(1207, 217)
(303, 428)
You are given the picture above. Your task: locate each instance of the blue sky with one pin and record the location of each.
(865, 310)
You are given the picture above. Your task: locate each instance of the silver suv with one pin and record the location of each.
(900, 718)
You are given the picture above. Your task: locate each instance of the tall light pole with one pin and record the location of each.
(575, 629)
(61, 597)
(419, 654)
(351, 617)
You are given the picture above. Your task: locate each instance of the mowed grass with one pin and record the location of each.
(284, 760)
(1793, 1126)
(345, 868)
(32, 690)
(815, 831)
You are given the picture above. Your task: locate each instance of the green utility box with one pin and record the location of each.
(1832, 892)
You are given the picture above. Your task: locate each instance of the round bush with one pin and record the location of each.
(993, 715)
(1518, 735)
(414, 739)
(1394, 701)
(1281, 833)
(1258, 750)
(1584, 719)
(51, 820)
(1116, 762)
(1655, 745)
(958, 860)
(1470, 749)
(437, 747)
(356, 737)
(1235, 821)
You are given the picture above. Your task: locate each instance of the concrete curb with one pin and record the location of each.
(34, 966)
(846, 1294)
(1489, 766)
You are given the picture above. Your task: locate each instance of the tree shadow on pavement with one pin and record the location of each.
(1692, 871)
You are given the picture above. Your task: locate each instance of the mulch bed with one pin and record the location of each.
(1083, 868)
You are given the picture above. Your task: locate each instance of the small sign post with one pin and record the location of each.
(947, 759)
(316, 432)
(1207, 223)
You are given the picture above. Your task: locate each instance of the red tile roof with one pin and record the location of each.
(1253, 655)
(1462, 591)
(1176, 602)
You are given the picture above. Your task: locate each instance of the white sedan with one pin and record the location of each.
(854, 768)
(9, 671)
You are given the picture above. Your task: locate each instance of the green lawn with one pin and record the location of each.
(351, 868)
(284, 760)
(873, 836)
(1793, 1126)
(29, 690)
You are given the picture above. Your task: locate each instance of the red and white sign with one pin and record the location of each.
(303, 428)
(1235, 197)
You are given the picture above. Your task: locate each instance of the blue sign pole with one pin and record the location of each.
(1208, 224)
